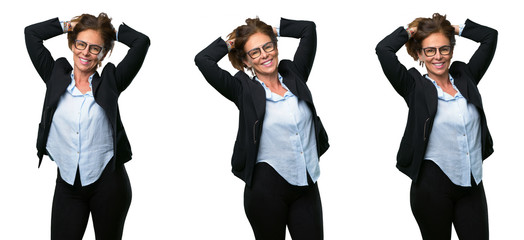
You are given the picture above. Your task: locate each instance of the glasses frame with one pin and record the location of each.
(439, 50)
(89, 46)
(258, 52)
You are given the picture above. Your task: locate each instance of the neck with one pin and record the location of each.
(442, 80)
(81, 76)
(269, 79)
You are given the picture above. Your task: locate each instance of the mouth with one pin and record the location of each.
(84, 60)
(438, 65)
(267, 63)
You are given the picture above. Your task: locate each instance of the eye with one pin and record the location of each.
(430, 50)
(268, 47)
(254, 53)
(81, 44)
(96, 48)
(445, 50)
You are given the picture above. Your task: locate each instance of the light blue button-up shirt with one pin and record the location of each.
(454, 143)
(80, 136)
(288, 140)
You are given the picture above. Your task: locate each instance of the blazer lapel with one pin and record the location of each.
(296, 86)
(95, 83)
(60, 86)
(259, 99)
(430, 93)
(462, 86)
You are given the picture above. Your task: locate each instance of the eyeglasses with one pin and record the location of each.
(431, 51)
(94, 49)
(267, 47)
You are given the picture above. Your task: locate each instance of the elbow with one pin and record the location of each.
(379, 50)
(199, 59)
(312, 25)
(28, 30)
(495, 34)
(147, 41)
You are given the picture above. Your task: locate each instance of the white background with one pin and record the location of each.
(182, 131)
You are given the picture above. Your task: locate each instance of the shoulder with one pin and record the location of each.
(286, 66)
(62, 61)
(458, 67)
(109, 67)
(61, 64)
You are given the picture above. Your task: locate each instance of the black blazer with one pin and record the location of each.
(421, 95)
(249, 95)
(106, 87)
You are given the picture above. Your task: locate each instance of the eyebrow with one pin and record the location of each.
(259, 46)
(91, 44)
(449, 45)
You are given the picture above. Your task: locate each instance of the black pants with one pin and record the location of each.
(437, 203)
(107, 200)
(272, 203)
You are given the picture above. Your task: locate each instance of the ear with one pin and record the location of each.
(420, 56)
(101, 56)
(247, 63)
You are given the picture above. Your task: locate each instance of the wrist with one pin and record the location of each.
(230, 44)
(411, 32)
(67, 26)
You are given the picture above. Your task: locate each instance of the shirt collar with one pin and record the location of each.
(440, 92)
(74, 90)
(269, 94)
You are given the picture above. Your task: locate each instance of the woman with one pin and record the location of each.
(446, 137)
(280, 137)
(81, 129)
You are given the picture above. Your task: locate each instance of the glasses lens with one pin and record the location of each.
(80, 45)
(445, 50)
(430, 52)
(254, 53)
(95, 49)
(269, 47)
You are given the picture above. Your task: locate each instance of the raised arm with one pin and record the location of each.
(207, 62)
(481, 59)
(34, 40)
(396, 73)
(138, 44)
(307, 48)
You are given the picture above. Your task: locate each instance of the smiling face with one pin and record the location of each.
(437, 65)
(85, 61)
(265, 64)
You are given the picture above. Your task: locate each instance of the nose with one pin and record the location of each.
(86, 52)
(263, 54)
(438, 55)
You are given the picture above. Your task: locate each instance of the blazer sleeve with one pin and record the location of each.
(34, 40)
(207, 62)
(138, 44)
(481, 59)
(307, 48)
(395, 72)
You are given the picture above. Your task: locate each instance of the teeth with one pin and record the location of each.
(439, 64)
(267, 63)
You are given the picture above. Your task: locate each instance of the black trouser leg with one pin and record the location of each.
(271, 203)
(437, 203)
